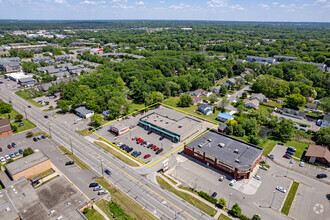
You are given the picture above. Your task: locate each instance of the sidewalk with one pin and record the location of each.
(219, 211)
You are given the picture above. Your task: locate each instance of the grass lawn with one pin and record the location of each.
(73, 157)
(192, 200)
(290, 197)
(85, 132)
(92, 214)
(300, 147)
(131, 207)
(223, 217)
(102, 204)
(268, 146)
(25, 95)
(27, 125)
(135, 107)
(40, 133)
(170, 179)
(117, 154)
(12, 115)
(46, 173)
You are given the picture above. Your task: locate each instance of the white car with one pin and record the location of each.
(256, 177)
(7, 157)
(281, 189)
(120, 143)
(264, 167)
(301, 164)
(232, 182)
(291, 161)
(2, 159)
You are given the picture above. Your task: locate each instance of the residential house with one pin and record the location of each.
(201, 92)
(83, 112)
(287, 58)
(231, 81)
(293, 113)
(259, 96)
(311, 106)
(5, 127)
(261, 60)
(44, 87)
(215, 89)
(251, 103)
(10, 64)
(318, 154)
(224, 116)
(205, 109)
(196, 99)
(246, 72)
(225, 84)
(222, 128)
(62, 57)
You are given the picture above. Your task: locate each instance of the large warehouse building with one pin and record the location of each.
(227, 154)
(176, 130)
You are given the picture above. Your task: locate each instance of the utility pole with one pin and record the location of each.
(102, 169)
(50, 132)
(71, 146)
(25, 113)
(229, 200)
(272, 199)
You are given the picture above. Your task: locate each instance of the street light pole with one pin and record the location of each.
(102, 169)
(287, 170)
(272, 199)
(229, 200)
(71, 146)
(50, 132)
(25, 113)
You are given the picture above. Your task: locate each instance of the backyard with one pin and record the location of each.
(27, 125)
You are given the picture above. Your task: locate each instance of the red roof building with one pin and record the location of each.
(318, 154)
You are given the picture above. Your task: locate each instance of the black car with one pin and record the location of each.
(129, 149)
(289, 152)
(321, 175)
(29, 106)
(43, 136)
(107, 171)
(69, 163)
(149, 132)
(161, 138)
(35, 139)
(45, 116)
(93, 184)
(13, 144)
(143, 142)
(303, 125)
(291, 149)
(214, 194)
(150, 145)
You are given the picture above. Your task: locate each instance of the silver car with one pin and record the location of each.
(281, 189)
(97, 188)
(102, 192)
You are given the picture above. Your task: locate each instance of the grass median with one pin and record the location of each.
(192, 200)
(130, 207)
(92, 214)
(73, 157)
(224, 217)
(117, 154)
(290, 197)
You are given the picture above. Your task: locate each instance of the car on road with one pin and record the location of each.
(13, 144)
(281, 189)
(7, 157)
(69, 163)
(221, 178)
(45, 116)
(102, 192)
(146, 156)
(2, 159)
(20, 151)
(256, 177)
(232, 182)
(43, 136)
(16, 153)
(97, 188)
(287, 156)
(29, 106)
(270, 156)
(264, 168)
(35, 139)
(9, 146)
(214, 194)
(321, 175)
(303, 125)
(12, 155)
(301, 164)
(93, 184)
(0, 149)
(107, 171)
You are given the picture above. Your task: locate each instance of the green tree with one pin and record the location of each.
(256, 217)
(240, 82)
(213, 98)
(185, 100)
(14, 128)
(97, 119)
(223, 103)
(29, 134)
(222, 202)
(238, 130)
(322, 137)
(250, 126)
(5, 108)
(19, 117)
(235, 211)
(325, 105)
(64, 105)
(154, 98)
(295, 101)
(28, 151)
(284, 129)
(223, 90)
(253, 139)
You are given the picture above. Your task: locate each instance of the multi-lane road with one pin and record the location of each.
(148, 194)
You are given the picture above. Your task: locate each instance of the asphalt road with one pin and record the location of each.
(148, 194)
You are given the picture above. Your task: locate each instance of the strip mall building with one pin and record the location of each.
(229, 155)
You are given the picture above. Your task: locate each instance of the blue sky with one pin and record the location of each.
(234, 10)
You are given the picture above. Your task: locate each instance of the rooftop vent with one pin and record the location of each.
(166, 122)
(155, 120)
(200, 145)
(209, 140)
(221, 145)
(237, 160)
(161, 120)
(8, 209)
(236, 151)
(180, 126)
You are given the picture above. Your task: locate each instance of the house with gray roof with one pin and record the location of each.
(260, 60)
(10, 64)
(287, 58)
(293, 113)
(259, 96)
(83, 112)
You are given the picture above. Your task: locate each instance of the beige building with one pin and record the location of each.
(29, 166)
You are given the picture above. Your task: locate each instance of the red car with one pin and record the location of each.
(287, 156)
(153, 147)
(9, 146)
(146, 156)
(156, 148)
(139, 140)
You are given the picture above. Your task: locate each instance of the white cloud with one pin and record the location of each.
(123, 6)
(139, 3)
(217, 3)
(291, 10)
(264, 6)
(180, 6)
(321, 1)
(86, 2)
(162, 2)
(118, 1)
(238, 7)
(275, 3)
(60, 1)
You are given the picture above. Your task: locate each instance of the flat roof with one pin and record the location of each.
(179, 126)
(210, 141)
(26, 162)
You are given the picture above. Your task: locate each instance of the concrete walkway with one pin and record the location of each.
(100, 211)
(219, 211)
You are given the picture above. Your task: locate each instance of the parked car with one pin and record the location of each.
(20, 151)
(150, 145)
(143, 143)
(139, 141)
(264, 168)
(12, 155)
(29, 106)
(291, 161)
(2, 159)
(0, 149)
(161, 138)
(301, 164)
(7, 157)
(270, 156)
(97, 188)
(43, 136)
(153, 147)
(289, 152)
(69, 163)
(107, 171)
(159, 150)
(156, 148)
(138, 154)
(93, 184)
(303, 125)
(256, 177)
(146, 156)
(232, 182)
(214, 194)
(13, 144)
(302, 129)
(281, 189)
(45, 116)
(287, 156)
(9, 146)
(291, 149)
(16, 153)
(134, 138)
(35, 139)
(102, 192)
(149, 132)
(280, 144)
(321, 175)
(221, 178)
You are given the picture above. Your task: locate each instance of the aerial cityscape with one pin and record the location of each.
(145, 110)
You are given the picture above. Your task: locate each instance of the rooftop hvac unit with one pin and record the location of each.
(180, 126)
(209, 140)
(166, 122)
(222, 145)
(200, 145)
(237, 160)
(236, 151)
(161, 120)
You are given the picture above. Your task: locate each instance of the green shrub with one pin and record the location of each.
(207, 197)
(27, 152)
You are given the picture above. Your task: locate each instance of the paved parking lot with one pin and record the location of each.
(67, 120)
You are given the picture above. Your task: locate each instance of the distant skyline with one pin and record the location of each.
(224, 10)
